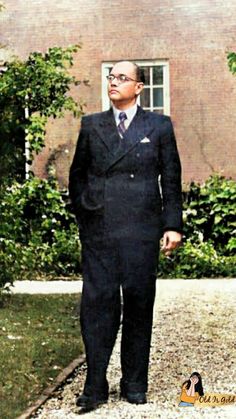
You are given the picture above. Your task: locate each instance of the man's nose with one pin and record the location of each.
(114, 82)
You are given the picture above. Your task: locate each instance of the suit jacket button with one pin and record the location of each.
(132, 175)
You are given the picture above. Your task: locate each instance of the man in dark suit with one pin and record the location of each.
(125, 186)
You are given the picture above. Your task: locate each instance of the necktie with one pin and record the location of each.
(121, 125)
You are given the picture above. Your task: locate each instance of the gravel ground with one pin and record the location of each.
(194, 325)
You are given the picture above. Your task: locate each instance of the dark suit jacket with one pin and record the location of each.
(128, 187)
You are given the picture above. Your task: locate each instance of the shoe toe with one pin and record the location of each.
(89, 402)
(135, 398)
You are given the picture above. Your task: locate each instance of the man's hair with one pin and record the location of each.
(139, 73)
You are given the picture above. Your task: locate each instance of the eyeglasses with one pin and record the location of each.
(121, 78)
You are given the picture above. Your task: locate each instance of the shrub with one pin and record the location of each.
(10, 255)
(197, 260)
(209, 213)
(38, 233)
(210, 227)
(31, 91)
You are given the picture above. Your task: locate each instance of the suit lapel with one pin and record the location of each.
(117, 147)
(108, 132)
(138, 129)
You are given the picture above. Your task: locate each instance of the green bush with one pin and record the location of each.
(197, 260)
(38, 233)
(209, 213)
(209, 225)
(231, 57)
(10, 255)
(35, 206)
(31, 91)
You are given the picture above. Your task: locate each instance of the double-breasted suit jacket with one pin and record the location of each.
(126, 187)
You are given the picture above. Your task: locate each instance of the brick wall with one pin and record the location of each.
(193, 35)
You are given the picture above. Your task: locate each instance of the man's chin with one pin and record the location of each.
(114, 96)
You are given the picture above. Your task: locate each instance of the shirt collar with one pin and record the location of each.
(130, 112)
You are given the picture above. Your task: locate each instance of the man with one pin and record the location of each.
(121, 158)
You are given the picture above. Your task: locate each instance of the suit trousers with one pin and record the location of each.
(107, 267)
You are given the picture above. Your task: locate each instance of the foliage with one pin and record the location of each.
(197, 260)
(209, 213)
(231, 57)
(40, 335)
(31, 91)
(210, 240)
(38, 234)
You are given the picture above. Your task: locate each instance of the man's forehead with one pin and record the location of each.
(124, 67)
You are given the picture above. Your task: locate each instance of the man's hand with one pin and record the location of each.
(171, 240)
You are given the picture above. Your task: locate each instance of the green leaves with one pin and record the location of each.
(31, 91)
(35, 133)
(209, 209)
(231, 57)
(41, 82)
(38, 234)
(197, 260)
(210, 232)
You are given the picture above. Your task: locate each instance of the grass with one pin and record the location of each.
(39, 336)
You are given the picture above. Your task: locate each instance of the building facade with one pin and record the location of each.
(182, 45)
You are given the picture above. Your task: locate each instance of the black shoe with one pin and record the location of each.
(89, 402)
(134, 397)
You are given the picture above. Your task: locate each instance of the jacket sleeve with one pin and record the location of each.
(170, 170)
(79, 167)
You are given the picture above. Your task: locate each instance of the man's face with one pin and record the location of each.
(124, 94)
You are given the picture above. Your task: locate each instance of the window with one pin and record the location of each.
(155, 95)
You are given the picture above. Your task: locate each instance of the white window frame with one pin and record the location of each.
(166, 82)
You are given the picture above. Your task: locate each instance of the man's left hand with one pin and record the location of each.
(171, 240)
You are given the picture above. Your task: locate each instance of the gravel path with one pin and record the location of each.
(194, 327)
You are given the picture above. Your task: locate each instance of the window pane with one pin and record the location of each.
(158, 74)
(157, 97)
(146, 71)
(160, 111)
(145, 98)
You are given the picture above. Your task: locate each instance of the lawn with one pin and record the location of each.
(39, 336)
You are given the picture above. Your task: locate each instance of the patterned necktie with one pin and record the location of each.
(121, 125)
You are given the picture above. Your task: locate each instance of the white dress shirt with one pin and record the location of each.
(130, 112)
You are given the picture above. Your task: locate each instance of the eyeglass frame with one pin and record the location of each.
(112, 77)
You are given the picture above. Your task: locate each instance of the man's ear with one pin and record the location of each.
(139, 88)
